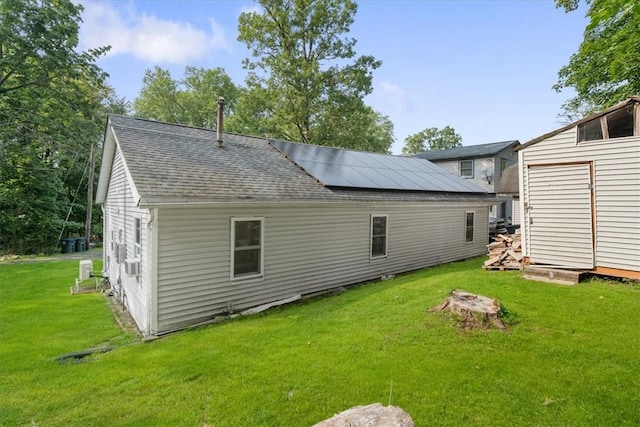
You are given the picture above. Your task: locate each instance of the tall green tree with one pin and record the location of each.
(191, 100)
(305, 81)
(432, 139)
(606, 68)
(51, 96)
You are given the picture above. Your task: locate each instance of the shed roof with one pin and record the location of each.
(468, 152)
(175, 164)
(628, 101)
(509, 182)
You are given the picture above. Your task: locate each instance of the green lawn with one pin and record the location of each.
(571, 356)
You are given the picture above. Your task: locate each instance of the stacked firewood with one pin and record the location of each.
(505, 252)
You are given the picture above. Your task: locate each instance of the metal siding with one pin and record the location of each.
(616, 164)
(306, 250)
(120, 210)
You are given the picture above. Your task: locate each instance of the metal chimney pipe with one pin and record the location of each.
(220, 119)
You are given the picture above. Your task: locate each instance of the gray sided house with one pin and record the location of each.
(580, 194)
(481, 164)
(194, 229)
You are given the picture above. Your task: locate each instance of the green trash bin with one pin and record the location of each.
(81, 244)
(68, 245)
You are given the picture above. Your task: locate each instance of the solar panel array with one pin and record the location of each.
(336, 167)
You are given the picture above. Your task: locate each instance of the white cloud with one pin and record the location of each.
(148, 37)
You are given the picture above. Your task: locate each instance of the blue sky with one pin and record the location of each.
(484, 67)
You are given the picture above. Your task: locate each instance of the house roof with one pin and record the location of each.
(509, 182)
(628, 101)
(175, 164)
(471, 151)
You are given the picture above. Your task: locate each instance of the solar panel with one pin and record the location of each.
(335, 167)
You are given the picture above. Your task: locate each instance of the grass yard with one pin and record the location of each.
(571, 356)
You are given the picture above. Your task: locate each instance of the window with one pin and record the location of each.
(469, 227)
(138, 237)
(590, 131)
(378, 236)
(466, 168)
(246, 242)
(503, 165)
(617, 124)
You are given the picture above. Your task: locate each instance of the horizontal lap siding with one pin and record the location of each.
(307, 249)
(616, 164)
(560, 205)
(120, 211)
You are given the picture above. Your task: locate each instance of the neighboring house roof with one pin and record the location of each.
(628, 101)
(175, 164)
(509, 182)
(471, 151)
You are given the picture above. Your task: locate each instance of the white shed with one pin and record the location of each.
(580, 194)
(194, 229)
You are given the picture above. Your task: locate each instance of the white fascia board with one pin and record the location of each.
(108, 154)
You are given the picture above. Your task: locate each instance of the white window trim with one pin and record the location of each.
(473, 227)
(472, 168)
(386, 235)
(232, 244)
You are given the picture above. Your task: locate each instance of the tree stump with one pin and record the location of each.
(473, 311)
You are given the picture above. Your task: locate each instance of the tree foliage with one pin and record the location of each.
(51, 98)
(432, 139)
(305, 82)
(606, 68)
(190, 101)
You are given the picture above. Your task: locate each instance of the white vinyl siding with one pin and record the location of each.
(120, 215)
(515, 215)
(306, 249)
(379, 236)
(616, 174)
(559, 216)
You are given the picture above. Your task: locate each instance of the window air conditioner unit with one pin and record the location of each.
(132, 267)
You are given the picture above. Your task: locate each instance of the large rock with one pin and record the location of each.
(374, 415)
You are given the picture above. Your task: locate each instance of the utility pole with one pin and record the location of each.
(87, 224)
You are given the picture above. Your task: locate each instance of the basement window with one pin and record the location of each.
(469, 226)
(246, 247)
(617, 124)
(378, 236)
(466, 168)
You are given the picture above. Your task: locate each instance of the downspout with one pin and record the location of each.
(152, 268)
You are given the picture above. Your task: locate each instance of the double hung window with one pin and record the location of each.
(246, 251)
(466, 168)
(378, 236)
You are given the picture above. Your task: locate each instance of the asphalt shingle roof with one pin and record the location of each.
(509, 182)
(471, 151)
(179, 164)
